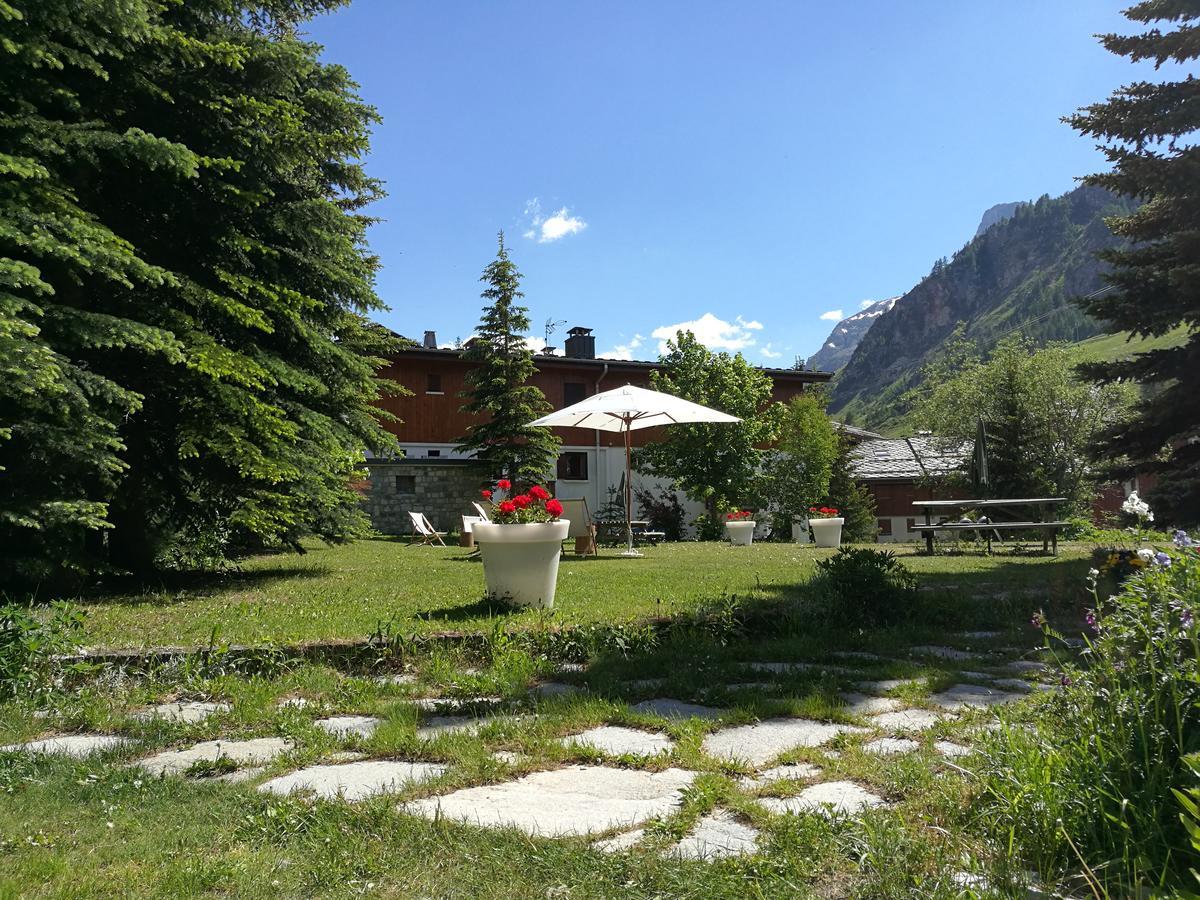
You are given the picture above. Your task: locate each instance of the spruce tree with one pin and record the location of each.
(183, 284)
(852, 499)
(498, 391)
(1147, 130)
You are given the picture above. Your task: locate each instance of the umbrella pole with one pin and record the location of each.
(628, 494)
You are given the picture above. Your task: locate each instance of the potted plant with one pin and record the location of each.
(740, 527)
(521, 546)
(826, 526)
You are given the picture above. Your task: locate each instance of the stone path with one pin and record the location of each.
(890, 746)
(793, 772)
(77, 746)
(864, 705)
(252, 752)
(910, 720)
(670, 708)
(353, 781)
(617, 741)
(188, 711)
(942, 652)
(831, 797)
(349, 726)
(575, 800)
(717, 836)
(762, 742)
(626, 841)
(965, 696)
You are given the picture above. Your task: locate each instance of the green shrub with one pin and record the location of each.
(1091, 787)
(709, 528)
(664, 513)
(30, 648)
(865, 586)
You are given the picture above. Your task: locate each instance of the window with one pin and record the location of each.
(433, 383)
(406, 484)
(573, 467)
(573, 392)
(433, 452)
(885, 527)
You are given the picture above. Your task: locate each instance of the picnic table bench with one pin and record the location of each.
(1042, 506)
(614, 533)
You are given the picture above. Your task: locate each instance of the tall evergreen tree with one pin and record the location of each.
(183, 282)
(498, 390)
(1147, 130)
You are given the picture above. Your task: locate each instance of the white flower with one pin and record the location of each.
(1146, 555)
(1093, 573)
(1136, 506)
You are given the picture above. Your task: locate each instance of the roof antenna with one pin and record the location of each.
(552, 326)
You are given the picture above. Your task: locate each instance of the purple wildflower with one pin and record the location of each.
(1182, 539)
(1162, 559)
(1038, 620)
(1186, 618)
(1065, 681)
(1093, 622)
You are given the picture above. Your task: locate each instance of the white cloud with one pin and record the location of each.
(536, 344)
(767, 352)
(546, 229)
(624, 351)
(713, 333)
(833, 315)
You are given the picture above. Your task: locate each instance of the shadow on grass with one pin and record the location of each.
(170, 588)
(485, 607)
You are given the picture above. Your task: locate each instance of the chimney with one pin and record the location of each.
(430, 342)
(580, 343)
(548, 350)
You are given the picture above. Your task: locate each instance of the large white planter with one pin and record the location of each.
(520, 562)
(827, 532)
(741, 534)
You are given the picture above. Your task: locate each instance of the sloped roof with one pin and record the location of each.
(912, 458)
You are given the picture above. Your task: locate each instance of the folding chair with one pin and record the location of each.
(483, 513)
(581, 527)
(424, 530)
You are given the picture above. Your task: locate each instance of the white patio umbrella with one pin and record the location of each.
(626, 409)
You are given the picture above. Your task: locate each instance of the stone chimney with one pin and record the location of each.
(580, 343)
(430, 342)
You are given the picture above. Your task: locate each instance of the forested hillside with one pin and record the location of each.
(1019, 274)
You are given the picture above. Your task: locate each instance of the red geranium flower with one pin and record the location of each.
(537, 492)
(554, 508)
(508, 507)
(522, 500)
(729, 515)
(504, 484)
(487, 495)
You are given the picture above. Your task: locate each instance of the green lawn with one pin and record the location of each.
(349, 591)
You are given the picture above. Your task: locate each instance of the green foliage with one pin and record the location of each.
(1092, 781)
(853, 501)
(498, 391)
(861, 586)
(1041, 417)
(1155, 278)
(709, 528)
(664, 512)
(183, 283)
(798, 472)
(31, 647)
(714, 464)
(1019, 275)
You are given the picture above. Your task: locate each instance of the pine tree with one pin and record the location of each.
(498, 390)
(183, 284)
(853, 500)
(1147, 132)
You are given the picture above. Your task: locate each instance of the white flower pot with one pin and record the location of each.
(827, 532)
(741, 534)
(799, 531)
(520, 562)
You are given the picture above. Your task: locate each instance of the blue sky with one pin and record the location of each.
(744, 166)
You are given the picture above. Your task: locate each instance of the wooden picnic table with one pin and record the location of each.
(1043, 506)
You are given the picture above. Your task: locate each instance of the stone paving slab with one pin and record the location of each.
(77, 746)
(509, 757)
(951, 750)
(787, 668)
(717, 836)
(353, 781)
(890, 746)
(941, 652)
(670, 708)
(1019, 684)
(909, 720)
(857, 654)
(792, 772)
(349, 726)
(981, 635)
(401, 678)
(435, 726)
(620, 842)
(187, 711)
(828, 798)
(964, 696)
(616, 740)
(866, 705)
(253, 752)
(555, 689)
(1025, 665)
(240, 775)
(644, 684)
(576, 800)
(762, 742)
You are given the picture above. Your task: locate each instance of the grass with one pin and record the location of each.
(350, 591)
(99, 828)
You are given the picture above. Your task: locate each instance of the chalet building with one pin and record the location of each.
(435, 479)
(898, 471)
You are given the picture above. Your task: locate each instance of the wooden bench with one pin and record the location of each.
(991, 530)
(613, 533)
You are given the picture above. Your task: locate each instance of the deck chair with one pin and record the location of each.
(483, 513)
(425, 531)
(576, 511)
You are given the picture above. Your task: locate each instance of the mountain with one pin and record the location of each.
(1019, 274)
(997, 213)
(839, 346)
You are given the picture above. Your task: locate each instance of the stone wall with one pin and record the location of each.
(442, 489)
